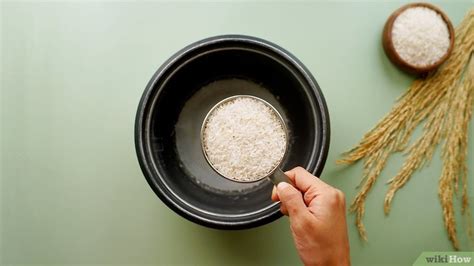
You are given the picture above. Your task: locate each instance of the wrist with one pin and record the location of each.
(340, 257)
(337, 256)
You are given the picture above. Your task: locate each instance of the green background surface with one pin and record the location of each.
(72, 191)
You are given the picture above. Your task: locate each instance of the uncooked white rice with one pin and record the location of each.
(244, 139)
(420, 36)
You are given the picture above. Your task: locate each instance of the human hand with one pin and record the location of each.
(317, 214)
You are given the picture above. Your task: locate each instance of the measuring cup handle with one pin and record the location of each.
(279, 176)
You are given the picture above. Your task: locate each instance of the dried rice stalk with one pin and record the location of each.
(422, 150)
(455, 152)
(436, 102)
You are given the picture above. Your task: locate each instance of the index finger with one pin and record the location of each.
(303, 179)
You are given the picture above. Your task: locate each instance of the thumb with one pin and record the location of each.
(291, 199)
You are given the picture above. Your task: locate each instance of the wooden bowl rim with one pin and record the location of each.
(395, 57)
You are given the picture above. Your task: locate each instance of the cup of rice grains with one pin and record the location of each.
(244, 139)
(418, 37)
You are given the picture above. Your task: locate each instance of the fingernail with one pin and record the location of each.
(282, 185)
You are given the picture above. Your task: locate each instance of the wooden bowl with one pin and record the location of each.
(395, 57)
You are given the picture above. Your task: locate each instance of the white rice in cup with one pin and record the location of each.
(244, 139)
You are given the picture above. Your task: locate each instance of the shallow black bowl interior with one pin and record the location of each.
(179, 96)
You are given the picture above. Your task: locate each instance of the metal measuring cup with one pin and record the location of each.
(276, 175)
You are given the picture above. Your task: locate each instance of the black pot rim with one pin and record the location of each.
(145, 160)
